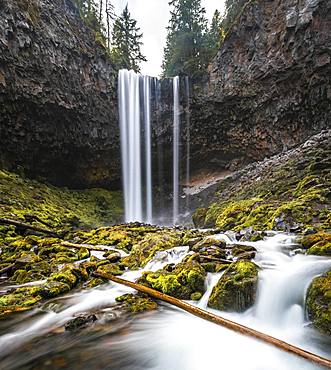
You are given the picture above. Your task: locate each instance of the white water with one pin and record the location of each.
(147, 120)
(129, 114)
(136, 116)
(173, 339)
(188, 137)
(176, 129)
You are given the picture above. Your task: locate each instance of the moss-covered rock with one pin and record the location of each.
(183, 281)
(135, 303)
(318, 302)
(206, 242)
(318, 243)
(111, 268)
(236, 289)
(146, 249)
(59, 208)
(21, 298)
(281, 193)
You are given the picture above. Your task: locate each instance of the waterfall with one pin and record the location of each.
(147, 122)
(136, 112)
(129, 114)
(188, 138)
(176, 129)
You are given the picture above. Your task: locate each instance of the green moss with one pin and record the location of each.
(184, 280)
(58, 208)
(322, 248)
(111, 268)
(70, 275)
(21, 298)
(199, 216)
(145, 250)
(318, 302)
(136, 303)
(286, 196)
(310, 240)
(236, 289)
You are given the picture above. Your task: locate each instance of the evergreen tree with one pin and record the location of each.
(92, 12)
(187, 41)
(126, 39)
(216, 33)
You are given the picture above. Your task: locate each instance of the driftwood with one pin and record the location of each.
(220, 321)
(7, 268)
(87, 246)
(24, 226)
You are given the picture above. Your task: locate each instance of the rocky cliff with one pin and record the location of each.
(58, 105)
(269, 86)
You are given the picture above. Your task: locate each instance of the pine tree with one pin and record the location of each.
(187, 41)
(126, 39)
(216, 33)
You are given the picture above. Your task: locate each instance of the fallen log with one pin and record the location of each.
(87, 246)
(220, 320)
(22, 225)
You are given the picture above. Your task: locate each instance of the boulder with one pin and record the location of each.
(236, 289)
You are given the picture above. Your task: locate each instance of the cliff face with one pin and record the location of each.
(269, 87)
(58, 105)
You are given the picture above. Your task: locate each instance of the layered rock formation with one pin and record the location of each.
(58, 104)
(269, 86)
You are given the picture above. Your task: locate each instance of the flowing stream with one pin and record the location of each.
(170, 338)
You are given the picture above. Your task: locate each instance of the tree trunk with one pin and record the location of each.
(220, 321)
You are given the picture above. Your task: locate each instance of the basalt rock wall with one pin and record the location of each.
(269, 86)
(58, 103)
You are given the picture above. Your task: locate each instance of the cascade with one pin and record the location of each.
(188, 139)
(176, 129)
(136, 112)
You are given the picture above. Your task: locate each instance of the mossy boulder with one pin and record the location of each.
(206, 242)
(146, 249)
(236, 289)
(199, 216)
(70, 275)
(111, 268)
(183, 281)
(20, 299)
(318, 302)
(135, 303)
(244, 252)
(318, 244)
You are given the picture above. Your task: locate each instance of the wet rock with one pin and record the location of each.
(318, 243)
(113, 256)
(318, 302)
(111, 268)
(244, 252)
(236, 289)
(184, 280)
(145, 250)
(135, 303)
(208, 242)
(80, 322)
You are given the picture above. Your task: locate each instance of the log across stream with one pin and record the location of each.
(169, 338)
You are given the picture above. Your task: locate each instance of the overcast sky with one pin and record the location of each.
(153, 17)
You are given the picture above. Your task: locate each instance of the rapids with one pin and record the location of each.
(170, 338)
